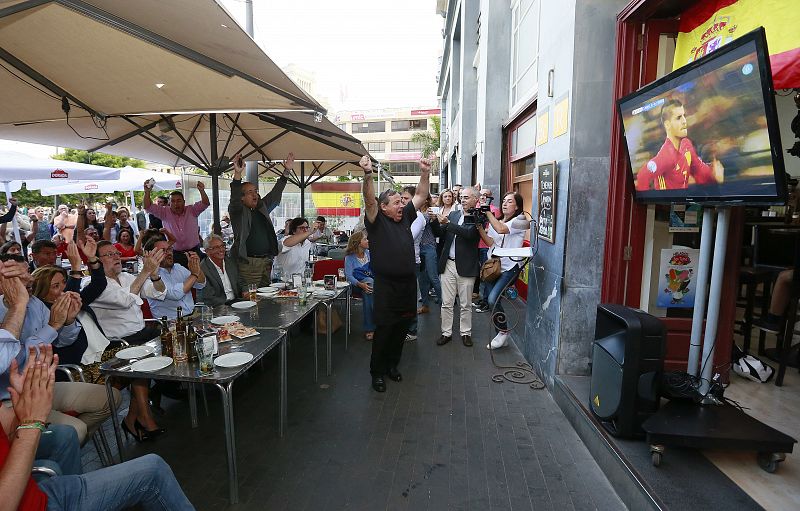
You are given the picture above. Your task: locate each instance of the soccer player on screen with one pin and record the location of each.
(677, 160)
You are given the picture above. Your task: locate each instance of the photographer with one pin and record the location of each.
(458, 264)
(507, 233)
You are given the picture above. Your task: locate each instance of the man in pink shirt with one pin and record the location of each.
(180, 220)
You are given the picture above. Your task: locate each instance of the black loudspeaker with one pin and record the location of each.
(627, 363)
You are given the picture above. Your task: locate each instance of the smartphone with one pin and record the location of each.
(435, 210)
(151, 182)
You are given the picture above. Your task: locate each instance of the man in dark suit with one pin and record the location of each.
(222, 273)
(458, 265)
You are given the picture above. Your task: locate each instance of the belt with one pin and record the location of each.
(259, 256)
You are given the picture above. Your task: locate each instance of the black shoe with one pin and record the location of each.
(443, 340)
(394, 374)
(139, 436)
(484, 307)
(769, 324)
(467, 340)
(379, 384)
(149, 433)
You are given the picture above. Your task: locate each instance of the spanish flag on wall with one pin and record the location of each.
(710, 24)
(337, 199)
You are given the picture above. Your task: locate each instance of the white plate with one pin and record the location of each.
(322, 293)
(267, 290)
(235, 359)
(135, 352)
(151, 364)
(243, 305)
(267, 295)
(279, 285)
(224, 320)
(339, 285)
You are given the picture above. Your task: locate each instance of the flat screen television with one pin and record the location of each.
(708, 132)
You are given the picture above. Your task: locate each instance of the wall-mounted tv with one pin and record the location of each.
(708, 132)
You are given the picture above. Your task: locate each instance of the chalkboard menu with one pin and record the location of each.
(546, 218)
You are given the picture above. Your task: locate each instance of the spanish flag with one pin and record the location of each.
(710, 24)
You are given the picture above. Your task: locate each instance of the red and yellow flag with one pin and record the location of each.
(710, 24)
(337, 199)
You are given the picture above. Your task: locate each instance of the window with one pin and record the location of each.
(410, 125)
(376, 147)
(369, 127)
(406, 146)
(404, 168)
(524, 49)
(342, 126)
(523, 139)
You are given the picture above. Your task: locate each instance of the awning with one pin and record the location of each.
(112, 57)
(16, 167)
(130, 179)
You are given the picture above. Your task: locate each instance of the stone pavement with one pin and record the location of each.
(447, 437)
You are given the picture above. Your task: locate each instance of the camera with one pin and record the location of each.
(479, 213)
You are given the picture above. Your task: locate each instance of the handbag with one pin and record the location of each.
(491, 268)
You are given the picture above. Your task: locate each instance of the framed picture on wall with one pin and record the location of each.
(546, 215)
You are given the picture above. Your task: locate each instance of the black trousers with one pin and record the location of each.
(387, 346)
(395, 309)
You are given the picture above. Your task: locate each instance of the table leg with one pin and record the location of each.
(193, 405)
(316, 309)
(347, 334)
(114, 420)
(329, 337)
(230, 440)
(747, 324)
(283, 400)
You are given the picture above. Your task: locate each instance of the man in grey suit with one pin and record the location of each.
(458, 265)
(222, 273)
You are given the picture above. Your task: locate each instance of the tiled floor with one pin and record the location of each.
(447, 437)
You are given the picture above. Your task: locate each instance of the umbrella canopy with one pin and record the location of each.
(130, 179)
(16, 166)
(69, 58)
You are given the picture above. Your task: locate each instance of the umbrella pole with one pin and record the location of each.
(214, 170)
(14, 224)
(302, 189)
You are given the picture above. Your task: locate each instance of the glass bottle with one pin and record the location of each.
(179, 319)
(179, 348)
(191, 340)
(166, 338)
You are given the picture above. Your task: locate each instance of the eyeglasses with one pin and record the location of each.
(215, 247)
(112, 255)
(304, 228)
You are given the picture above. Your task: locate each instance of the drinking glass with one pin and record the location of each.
(206, 314)
(180, 353)
(252, 288)
(205, 353)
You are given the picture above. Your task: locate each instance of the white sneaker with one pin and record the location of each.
(500, 340)
(411, 337)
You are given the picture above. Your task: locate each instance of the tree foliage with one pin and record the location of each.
(429, 139)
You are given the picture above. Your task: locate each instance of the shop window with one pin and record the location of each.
(404, 168)
(369, 127)
(406, 146)
(376, 147)
(524, 50)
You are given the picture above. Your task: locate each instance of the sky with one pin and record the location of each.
(364, 54)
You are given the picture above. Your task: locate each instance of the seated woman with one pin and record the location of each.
(509, 232)
(357, 256)
(125, 245)
(295, 248)
(49, 283)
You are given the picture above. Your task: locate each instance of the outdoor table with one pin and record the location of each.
(222, 378)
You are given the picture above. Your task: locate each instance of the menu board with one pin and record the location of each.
(546, 218)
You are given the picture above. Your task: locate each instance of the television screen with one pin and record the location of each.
(708, 132)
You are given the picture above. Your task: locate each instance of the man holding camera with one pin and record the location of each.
(458, 263)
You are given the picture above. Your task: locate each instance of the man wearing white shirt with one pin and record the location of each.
(417, 226)
(222, 273)
(118, 309)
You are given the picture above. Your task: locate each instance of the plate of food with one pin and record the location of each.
(246, 304)
(240, 331)
(224, 320)
(267, 289)
(135, 352)
(286, 293)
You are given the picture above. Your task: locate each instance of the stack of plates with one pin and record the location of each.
(267, 292)
(323, 293)
(279, 285)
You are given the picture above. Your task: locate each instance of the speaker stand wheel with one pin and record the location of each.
(769, 461)
(656, 454)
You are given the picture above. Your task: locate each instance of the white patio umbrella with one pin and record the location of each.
(16, 167)
(130, 179)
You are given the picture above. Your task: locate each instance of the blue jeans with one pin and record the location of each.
(369, 306)
(429, 276)
(147, 482)
(483, 291)
(493, 290)
(60, 445)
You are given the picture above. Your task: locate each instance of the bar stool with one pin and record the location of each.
(751, 277)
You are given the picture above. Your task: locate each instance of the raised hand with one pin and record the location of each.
(81, 209)
(201, 186)
(73, 256)
(366, 164)
(88, 246)
(288, 163)
(148, 185)
(32, 391)
(238, 166)
(425, 164)
(152, 261)
(194, 262)
(109, 213)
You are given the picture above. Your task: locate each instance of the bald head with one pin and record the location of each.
(250, 195)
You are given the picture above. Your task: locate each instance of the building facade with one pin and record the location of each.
(387, 134)
(523, 83)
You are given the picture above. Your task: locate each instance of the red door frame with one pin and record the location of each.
(635, 66)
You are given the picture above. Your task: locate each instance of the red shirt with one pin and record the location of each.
(125, 252)
(33, 499)
(671, 168)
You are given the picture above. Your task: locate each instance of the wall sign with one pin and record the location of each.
(677, 270)
(546, 217)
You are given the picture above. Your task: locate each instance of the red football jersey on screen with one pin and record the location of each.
(671, 168)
